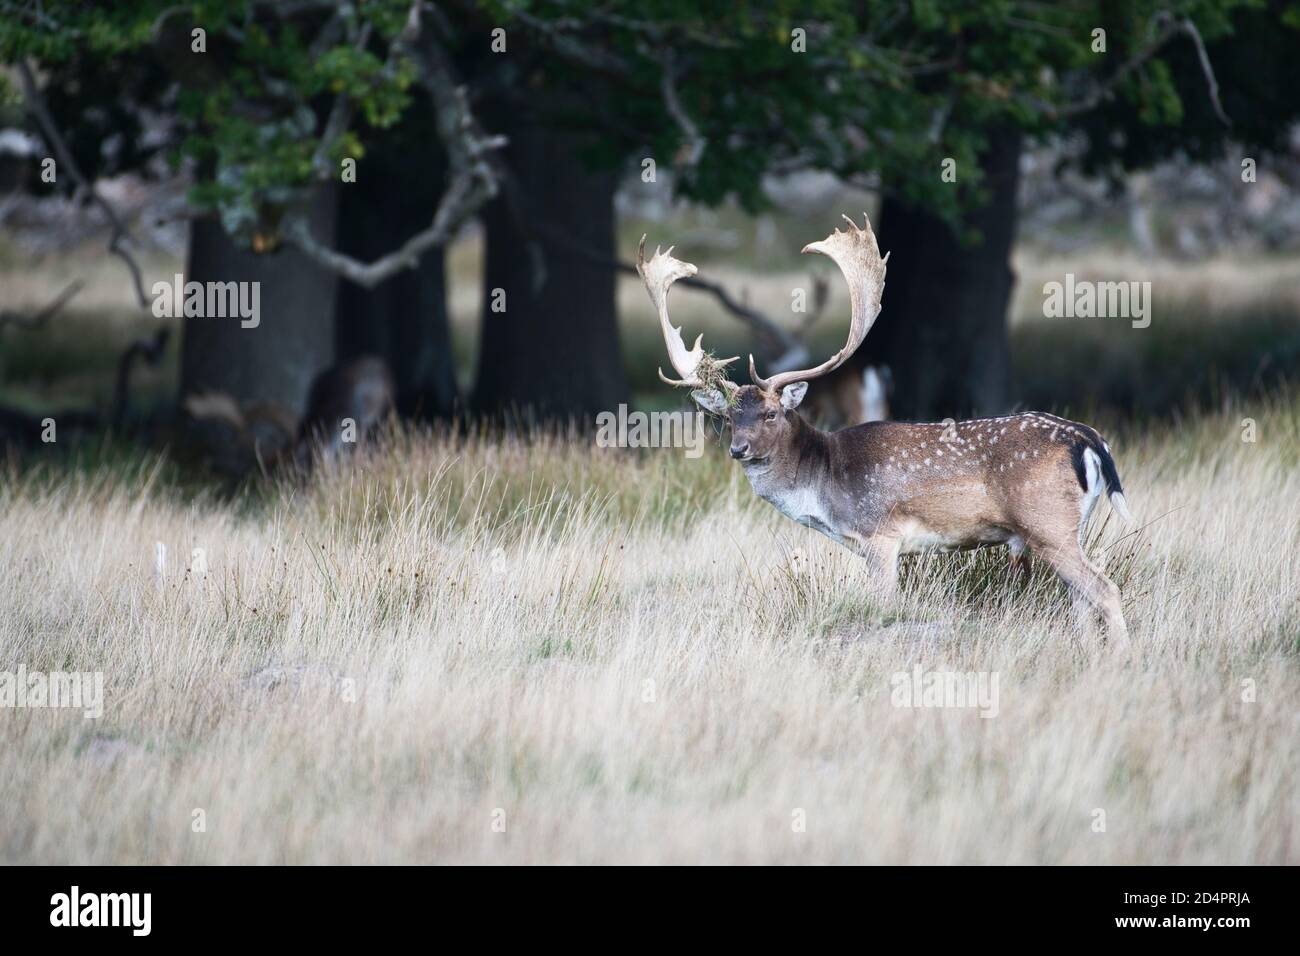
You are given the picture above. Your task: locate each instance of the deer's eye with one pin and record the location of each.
(771, 416)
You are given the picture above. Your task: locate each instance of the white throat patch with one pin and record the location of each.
(803, 505)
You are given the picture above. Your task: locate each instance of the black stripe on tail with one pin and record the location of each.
(1109, 473)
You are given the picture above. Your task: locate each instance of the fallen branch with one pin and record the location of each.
(46, 313)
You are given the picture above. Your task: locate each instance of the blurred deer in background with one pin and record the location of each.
(885, 489)
(345, 407)
(850, 395)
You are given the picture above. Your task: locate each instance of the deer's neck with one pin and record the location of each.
(803, 461)
(794, 480)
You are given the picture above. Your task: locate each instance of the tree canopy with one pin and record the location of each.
(528, 114)
(267, 99)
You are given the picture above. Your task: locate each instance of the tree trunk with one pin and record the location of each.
(403, 320)
(293, 340)
(551, 353)
(943, 323)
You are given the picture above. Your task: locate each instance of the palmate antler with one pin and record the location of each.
(659, 273)
(858, 257)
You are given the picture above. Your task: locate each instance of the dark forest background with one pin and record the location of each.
(515, 152)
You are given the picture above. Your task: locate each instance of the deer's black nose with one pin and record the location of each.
(739, 452)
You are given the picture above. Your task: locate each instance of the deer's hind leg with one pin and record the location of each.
(1090, 589)
(1057, 538)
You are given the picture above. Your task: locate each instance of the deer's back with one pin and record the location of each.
(953, 479)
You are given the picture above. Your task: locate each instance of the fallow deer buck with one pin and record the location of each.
(884, 489)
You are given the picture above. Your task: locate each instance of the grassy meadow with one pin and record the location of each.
(489, 649)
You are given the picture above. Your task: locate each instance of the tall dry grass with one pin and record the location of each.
(624, 657)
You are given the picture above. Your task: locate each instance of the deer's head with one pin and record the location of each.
(761, 414)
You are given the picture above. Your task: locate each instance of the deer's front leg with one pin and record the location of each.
(880, 551)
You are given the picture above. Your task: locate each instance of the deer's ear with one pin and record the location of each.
(793, 394)
(711, 400)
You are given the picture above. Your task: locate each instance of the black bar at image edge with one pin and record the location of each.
(1220, 905)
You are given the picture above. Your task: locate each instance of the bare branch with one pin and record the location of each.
(1168, 29)
(473, 178)
(327, 36)
(150, 349)
(341, 112)
(45, 314)
(695, 142)
(1188, 27)
(776, 340)
(779, 341)
(659, 33)
(36, 106)
(555, 34)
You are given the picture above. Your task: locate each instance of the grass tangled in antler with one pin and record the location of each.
(712, 374)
